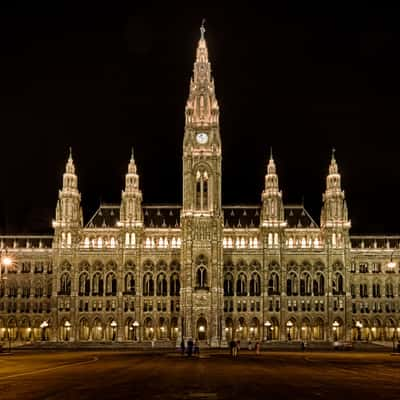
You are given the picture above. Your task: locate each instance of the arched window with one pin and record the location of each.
(201, 273)
(65, 284)
(161, 285)
(389, 289)
(84, 285)
(228, 285)
(292, 284)
(26, 290)
(202, 196)
(201, 277)
(97, 284)
(111, 284)
(241, 285)
(376, 290)
(319, 285)
(273, 284)
(305, 285)
(130, 284)
(337, 284)
(255, 285)
(148, 285)
(39, 289)
(174, 285)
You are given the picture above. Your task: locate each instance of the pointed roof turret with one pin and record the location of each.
(70, 167)
(271, 164)
(202, 105)
(333, 168)
(132, 164)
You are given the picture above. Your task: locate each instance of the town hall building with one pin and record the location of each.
(200, 269)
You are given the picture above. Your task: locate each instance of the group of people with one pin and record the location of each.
(192, 348)
(234, 346)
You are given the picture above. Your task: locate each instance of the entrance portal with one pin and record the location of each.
(201, 329)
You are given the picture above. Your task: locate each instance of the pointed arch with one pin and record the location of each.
(162, 284)
(111, 284)
(148, 284)
(65, 284)
(174, 284)
(255, 284)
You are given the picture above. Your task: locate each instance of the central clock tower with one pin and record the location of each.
(201, 216)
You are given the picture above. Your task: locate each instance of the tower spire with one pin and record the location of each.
(334, 209)
(202, 106)
(131, 203)
(68, 210)
(202, 29)
(272, 210)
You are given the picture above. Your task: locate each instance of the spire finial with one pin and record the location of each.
(270, 154)
(132, 155)
(70, 153)
(202, 29)
(333, 153)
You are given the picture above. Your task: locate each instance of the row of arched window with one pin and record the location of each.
(240, 243)
(97, 285)
(376, 289)
(160, 288)
(242, 286)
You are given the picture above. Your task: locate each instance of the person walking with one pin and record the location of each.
(182, 347)
(190, 347)
(237, 348)
(257, 348)
(231, 346)
(196, 348)
(250, 345)
(234, 349)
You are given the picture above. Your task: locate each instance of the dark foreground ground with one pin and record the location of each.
(135, 375)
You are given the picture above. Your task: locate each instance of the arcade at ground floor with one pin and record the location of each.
(110, 328)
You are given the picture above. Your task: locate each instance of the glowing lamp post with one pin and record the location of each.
(43, 326)
(289, 325)
(268, 328)
(391, 264)
(335, 327)
(135, 327)
(113, 325)
(359, 326)
(6, 261)
(67, 325)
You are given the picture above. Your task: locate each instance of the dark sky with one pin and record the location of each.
(103, 77)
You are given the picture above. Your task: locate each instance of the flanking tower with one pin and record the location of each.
(335, 226)
(201, 216)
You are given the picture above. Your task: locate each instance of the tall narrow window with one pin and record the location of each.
(202, 196)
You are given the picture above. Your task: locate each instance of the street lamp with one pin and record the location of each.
(289, 325)
(135, 326)
(358, 326)
(391, 264)
(113, 325)
(44, 325)
(6, 261)
(267, 325)
(67, 325)
(335, 327)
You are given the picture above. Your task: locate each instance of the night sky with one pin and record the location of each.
(105, 77)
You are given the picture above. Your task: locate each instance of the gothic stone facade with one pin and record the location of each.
(138, 273)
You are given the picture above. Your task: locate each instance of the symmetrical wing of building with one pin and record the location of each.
(200, 269)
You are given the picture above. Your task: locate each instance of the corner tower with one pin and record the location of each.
(201, 216)
(68, 211)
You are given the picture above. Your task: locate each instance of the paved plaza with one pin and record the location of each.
(213, 375)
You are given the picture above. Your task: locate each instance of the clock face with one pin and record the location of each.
(202, 138)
